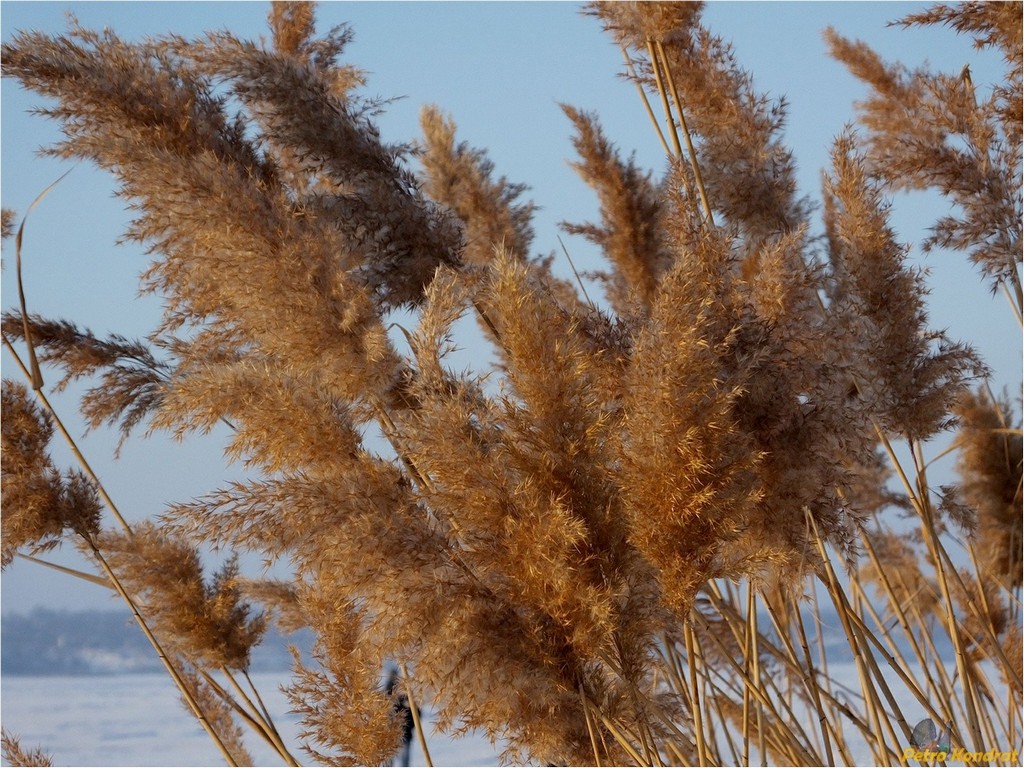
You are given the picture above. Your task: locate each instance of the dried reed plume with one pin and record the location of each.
(16, 755)
(41, 501)
(990, 467)
(929, 130)
(595, 552)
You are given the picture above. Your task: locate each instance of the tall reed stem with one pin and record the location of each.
(108, 571)
(416, 721)
(164, 659)
(72, 444)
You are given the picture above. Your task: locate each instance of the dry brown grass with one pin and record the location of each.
(611, 548)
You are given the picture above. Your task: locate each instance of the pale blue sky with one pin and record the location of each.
(500, 69)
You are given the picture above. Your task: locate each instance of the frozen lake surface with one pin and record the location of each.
(139, 720)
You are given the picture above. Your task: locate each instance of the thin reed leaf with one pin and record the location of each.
(596, 535)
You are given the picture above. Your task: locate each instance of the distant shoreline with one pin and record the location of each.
(96, 643)
(46, 642)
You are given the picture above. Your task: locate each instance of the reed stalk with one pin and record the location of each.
(570, 548)
(417, 722)
(172, 670)
(71, 442)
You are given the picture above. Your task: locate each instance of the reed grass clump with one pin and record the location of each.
(44, 502)
(618, 543)
(15, 754)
